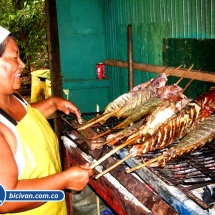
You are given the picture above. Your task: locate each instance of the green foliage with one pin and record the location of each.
(27, 20)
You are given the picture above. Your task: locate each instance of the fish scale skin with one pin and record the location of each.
(201, 134)
(135, 101)
(141, 110)
(118, 102)
(172, 130)
(139, 96)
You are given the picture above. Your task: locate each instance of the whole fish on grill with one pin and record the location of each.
(137, 96)
(145, 93)
(149, 92)
(155, 111)
(155, 120)
(129, 125)
(200, 135)
(174, 128)
(165, 94)
(179, 124)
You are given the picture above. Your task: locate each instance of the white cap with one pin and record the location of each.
(3, 34)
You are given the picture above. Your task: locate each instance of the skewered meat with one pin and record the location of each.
(179, 124)
(174, 128)
(147, 108)
(138, 97)
(201, 134)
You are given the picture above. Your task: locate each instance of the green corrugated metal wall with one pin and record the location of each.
(152, 21)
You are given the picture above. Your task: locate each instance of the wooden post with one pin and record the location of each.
(130, 59)
(56, 80)
(54, 58)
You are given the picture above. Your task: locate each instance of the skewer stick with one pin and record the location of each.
(191, 80)
(94, 118)
(103, 143)
(117, 148)
(115, 165)
(143, 165)
(111, 141)
(184, 74)
(103, 117)
(101, 134)
(164, 69)
(174, 70)
(106, 132)
(114, 140)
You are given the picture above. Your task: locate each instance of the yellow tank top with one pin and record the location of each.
(41, 150)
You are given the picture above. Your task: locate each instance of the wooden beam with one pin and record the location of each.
(201, 76)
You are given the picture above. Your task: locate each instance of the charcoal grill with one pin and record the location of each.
(192, 176)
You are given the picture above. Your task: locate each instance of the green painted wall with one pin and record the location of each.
(82, 45)
(94, 30)
(81, 35)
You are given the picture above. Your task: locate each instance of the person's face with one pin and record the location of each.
(11, 67)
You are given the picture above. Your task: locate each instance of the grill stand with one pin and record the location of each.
(171, 194)
(179, 197)
(125, 193)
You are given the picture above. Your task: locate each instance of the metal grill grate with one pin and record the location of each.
(194, 171)
(199, 167)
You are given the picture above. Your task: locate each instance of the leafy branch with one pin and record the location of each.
(27, 20)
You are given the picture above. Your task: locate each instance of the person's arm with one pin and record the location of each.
(74, 178)
(49, 106)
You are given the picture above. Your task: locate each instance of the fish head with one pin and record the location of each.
(159, 81)
(141, 86)
(169, 91)
(207, 101)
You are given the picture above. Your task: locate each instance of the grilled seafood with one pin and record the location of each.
(160, 116)
(118, 103)
(132, 102)
(201, 134)
(129, 125)
(139, 112)
(149, 92)
(144, 93)
(139, 96)
(143, 85)
(150, 126)
(135, 131)
(115, 137)
(147, 108)
(174, 128)
(181, 123)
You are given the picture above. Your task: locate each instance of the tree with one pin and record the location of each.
(27, 20)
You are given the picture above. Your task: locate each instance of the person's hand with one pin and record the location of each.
(67, 107)
(78, 177)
